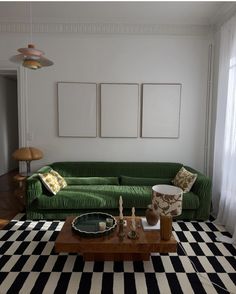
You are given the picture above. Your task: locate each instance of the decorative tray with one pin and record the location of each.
(87, 224)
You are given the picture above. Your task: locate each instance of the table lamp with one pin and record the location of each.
(27, 154)
(169, 201)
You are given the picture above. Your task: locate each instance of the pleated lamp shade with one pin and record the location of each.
(27, 154)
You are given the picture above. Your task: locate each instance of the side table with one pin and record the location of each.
(20, 187)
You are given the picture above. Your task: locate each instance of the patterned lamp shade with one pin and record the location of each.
(168, 199)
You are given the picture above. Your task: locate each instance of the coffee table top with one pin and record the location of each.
(148, 241)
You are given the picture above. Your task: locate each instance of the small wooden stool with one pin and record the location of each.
(20, 187)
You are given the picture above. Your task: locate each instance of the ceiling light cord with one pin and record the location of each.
(31, 22)
(31, 57)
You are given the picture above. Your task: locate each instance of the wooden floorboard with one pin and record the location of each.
(10, 205)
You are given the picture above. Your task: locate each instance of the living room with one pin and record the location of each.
(113, 46)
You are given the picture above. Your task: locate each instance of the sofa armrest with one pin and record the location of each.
(34, 186)
(34, 189)
(202, 187)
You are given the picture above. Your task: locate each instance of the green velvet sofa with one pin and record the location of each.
(97, 186)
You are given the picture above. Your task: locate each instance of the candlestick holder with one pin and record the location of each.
(121, 232)
(133, 234)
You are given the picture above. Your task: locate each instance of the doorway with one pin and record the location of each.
(9, 126)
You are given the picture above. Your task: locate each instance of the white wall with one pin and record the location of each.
(118, 59)
(8, 124)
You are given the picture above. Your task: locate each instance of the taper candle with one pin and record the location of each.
(121, 207)
(133, 219)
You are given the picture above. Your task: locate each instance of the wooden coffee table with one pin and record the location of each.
(111, 247)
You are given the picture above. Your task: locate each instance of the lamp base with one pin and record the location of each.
(26, 174)
(165, 227)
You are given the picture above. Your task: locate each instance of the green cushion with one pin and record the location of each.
(133, 181)
(115, 169)
(105, 197)
(92, 180)
(96, 197)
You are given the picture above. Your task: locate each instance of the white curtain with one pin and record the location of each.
(224, 171)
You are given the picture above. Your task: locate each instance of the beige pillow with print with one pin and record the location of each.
(61, 181)
(50, 182)
(184, 180)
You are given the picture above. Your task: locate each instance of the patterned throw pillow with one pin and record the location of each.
(61, 181)
(50, 182)
(184, 179)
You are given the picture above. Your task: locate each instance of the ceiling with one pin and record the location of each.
(179, 13)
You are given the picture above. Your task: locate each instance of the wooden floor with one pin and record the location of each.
(10, 205)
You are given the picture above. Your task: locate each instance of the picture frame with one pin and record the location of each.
(77, 109)
(119, 110)
(161, 105)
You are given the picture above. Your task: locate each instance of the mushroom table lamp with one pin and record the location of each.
(169, 202)
(27, 154)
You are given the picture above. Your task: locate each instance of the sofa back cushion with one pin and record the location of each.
(134, 181)
(116, 169)
(92, 180)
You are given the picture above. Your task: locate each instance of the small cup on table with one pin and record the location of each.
(109, 222)
(102, 226)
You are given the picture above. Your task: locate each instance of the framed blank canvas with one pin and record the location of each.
(161, 110)
(77, 109)
(119, 110)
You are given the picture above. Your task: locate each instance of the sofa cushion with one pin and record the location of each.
(135, 181)
(184, 179)
(92, 180)
(105, 197)
(50, 182)
(96, 197)
(115, 169)
(61, 181)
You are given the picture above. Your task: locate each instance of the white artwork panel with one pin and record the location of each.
(119, 110)
(77, 109)
(161, 110)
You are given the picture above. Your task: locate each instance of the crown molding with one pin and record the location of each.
(223, 14)
(106, 28)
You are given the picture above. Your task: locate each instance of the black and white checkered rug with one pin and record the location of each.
(28, 264)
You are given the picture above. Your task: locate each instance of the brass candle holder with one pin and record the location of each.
(121, 232)
(133, 234)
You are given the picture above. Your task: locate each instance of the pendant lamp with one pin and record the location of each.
(31, 57)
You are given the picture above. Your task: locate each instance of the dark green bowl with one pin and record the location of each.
(87, 224)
